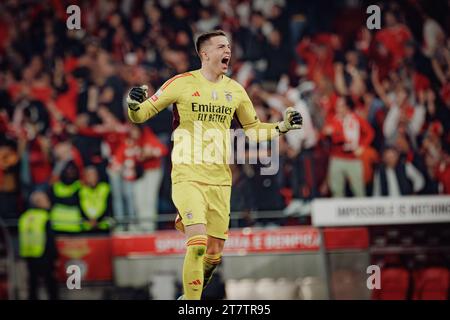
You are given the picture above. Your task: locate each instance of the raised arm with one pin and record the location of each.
(339, 80)
(255, 129)
(141, 107)
(378, 87)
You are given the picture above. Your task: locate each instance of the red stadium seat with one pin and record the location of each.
(431, 284)
(3, 289)
(394, 285)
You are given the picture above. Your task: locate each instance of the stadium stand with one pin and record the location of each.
(62, 104)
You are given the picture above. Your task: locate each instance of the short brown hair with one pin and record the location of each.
(205, 37)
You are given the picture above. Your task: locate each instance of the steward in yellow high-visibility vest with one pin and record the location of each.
(33, 233)
(37, 245)
(65, 214)
(95, 202)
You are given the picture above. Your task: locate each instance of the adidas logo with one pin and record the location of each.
(196, 94)
(195, 282)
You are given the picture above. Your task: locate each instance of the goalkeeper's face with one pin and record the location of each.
(218, 53)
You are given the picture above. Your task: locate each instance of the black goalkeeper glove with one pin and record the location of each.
(292, 120)
(136, 96)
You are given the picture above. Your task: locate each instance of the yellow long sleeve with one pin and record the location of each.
(144, 112)
(261, 131)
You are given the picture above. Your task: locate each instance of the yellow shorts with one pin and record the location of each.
(201, 203)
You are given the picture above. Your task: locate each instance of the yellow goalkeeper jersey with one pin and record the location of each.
(202, 115)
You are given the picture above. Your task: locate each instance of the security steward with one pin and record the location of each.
(65, 214)
(95, 202)
(37, 246)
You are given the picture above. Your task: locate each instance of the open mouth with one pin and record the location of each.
(226, 61)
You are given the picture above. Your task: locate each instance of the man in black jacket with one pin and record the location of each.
(395, 177)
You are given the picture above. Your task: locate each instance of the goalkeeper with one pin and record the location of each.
(204, 99)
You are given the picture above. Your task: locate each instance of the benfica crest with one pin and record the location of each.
(228, 96)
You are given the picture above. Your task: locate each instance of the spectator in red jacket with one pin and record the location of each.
(350, 135)
(39, 160)
(318, 55)
(150, 153)
(394, 36)
(124, 171)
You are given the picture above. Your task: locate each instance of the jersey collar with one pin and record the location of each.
(203, 79)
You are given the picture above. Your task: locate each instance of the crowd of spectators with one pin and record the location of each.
(375, 103)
